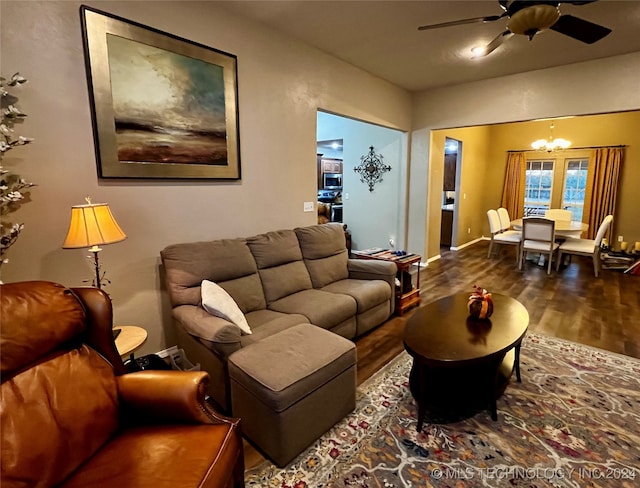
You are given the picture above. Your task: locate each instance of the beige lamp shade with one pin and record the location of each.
(92, 224)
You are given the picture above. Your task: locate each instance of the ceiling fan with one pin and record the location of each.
(529, 17)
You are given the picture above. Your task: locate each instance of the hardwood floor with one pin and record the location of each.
(571, 304)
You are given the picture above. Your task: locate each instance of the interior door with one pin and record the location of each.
(449, 192)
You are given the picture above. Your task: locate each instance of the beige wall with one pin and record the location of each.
(595, 87)
(282, 83)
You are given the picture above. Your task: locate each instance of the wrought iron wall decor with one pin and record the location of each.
(371, 168)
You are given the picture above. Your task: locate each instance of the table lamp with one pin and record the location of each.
(93, 225)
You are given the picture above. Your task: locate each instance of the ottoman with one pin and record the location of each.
(291, 387)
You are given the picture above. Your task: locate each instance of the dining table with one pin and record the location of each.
(564, 228)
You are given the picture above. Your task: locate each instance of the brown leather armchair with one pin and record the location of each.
(71, 417)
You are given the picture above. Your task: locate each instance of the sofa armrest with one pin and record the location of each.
(175, 396)
(369, 269)
(200, 323)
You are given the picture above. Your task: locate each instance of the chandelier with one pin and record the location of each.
(551, 144)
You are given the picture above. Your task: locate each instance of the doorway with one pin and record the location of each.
(329, 171)
(450, 185)
(376, 217)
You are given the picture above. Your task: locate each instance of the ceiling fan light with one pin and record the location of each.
(478, 51)
(533, 19)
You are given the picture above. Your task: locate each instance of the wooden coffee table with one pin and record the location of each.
(461, 362)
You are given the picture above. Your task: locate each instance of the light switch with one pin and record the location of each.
(308, 206)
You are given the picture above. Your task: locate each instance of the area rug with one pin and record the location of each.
(574, 421)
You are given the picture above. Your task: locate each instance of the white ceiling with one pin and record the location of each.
(381, 36)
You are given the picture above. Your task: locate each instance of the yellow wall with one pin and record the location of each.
(483, 172)
(602, 86)
(473, 177)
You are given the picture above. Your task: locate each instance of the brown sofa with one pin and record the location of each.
(71, 417)
(279, 280)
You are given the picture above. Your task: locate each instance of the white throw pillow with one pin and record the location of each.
(218, 302)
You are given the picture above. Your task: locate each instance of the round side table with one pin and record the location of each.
(130, 339)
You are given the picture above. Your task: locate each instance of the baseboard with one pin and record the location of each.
(432, 259)
(467, 244)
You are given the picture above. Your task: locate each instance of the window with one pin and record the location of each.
(538, 186)
(575, 185)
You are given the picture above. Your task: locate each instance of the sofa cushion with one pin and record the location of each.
(324, 271)
(274, 248)
(29, 333)
(301, 359)
(279, 260)
(367, 293)
(218, 302)
(155, 455)
(324, 251)
(246, 291)
(282, 281)
(53, 406)
(320, 241)
(265, 323)
(53, 392)
(228, 262)
(321, 308)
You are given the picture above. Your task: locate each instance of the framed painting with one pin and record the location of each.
(162, 106)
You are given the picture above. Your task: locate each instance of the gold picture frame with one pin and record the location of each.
(162, 106)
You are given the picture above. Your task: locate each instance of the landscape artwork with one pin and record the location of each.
(168, 108)
(162, 106)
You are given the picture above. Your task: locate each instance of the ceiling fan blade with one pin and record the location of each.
(580, 29)
(475, 20)
(493, 45)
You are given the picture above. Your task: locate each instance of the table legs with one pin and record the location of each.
(517, 362)
(419, 390)
(445, 388)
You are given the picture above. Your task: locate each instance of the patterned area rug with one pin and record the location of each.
(574, 421)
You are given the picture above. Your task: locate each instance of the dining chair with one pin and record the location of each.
(538, 235)
(586, 247)
(498, 236)
(558, 214)
(505, 219)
